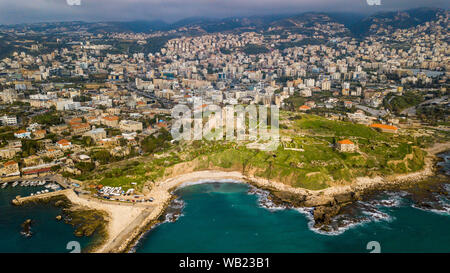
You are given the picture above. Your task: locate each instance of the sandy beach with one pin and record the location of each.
(120, 216)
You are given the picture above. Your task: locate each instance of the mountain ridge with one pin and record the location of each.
(358, 24)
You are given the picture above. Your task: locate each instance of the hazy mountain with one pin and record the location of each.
(394, 20)
(358, 24)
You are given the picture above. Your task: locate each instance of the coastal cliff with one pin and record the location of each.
(327, 203)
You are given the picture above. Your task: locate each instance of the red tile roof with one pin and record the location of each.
(111, 118)
(63, 142)
(383, 126)
(9, 163)
(345, 141)
(304, 107)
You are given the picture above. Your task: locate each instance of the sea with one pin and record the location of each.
(216, 217)
(219, 216)
(48, 235)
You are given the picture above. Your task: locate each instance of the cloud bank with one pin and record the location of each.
(27, 11)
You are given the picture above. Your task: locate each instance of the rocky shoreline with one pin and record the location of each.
(85, 221)
(324, 204)
(126, 224)
(330, 202)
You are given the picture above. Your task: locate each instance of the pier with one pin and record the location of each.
(21, 200)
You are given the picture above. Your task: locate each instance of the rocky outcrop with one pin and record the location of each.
(326, 208)
(324, 214)
(287, 198)
(26, 227)
(319, 200)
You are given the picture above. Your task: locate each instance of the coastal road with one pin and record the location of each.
(128, 233)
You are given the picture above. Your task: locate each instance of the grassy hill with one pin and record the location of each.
(305, 158)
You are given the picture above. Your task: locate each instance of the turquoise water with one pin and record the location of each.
(223, 217)
(48, 234)
(226, 217)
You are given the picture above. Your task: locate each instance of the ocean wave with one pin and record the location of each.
(172, 217)
(173, 213)
(374, 213)
(174, 210)
(388, 199)
(444, 211)
(441, 206)
(366, 212)
(264, 200)
(447, 187)
(141, 238)
(339, 225)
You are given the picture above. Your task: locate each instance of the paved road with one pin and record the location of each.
(411, 111)
(373, 112)
(127, 234)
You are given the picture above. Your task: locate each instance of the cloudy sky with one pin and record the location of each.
(26, 11)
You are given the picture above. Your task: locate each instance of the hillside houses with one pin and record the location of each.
(346, 145)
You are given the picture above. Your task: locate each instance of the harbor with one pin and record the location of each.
(21, 200)
(51, 184)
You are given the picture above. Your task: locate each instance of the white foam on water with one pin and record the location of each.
(393, 199)
(444, 211)
(263, 199)
(447, 186)
(369, 210)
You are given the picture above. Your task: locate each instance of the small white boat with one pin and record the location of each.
(4, 185)
(15, 184)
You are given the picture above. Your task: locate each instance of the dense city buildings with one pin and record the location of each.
(87, 88)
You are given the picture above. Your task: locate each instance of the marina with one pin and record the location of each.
(49, 185)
